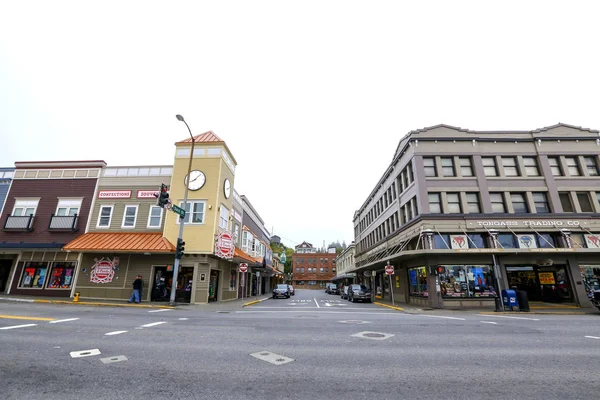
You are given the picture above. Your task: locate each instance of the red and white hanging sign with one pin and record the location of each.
(103, 271)
(114, 194)
(224, 245)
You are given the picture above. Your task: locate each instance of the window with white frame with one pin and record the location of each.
(129, 216)
(25, 208)
(255, 246)
(236, 233)
(196, 216)
(224, 217)
(68, 207)
(104, 217)
(155, 217)
(246, 238)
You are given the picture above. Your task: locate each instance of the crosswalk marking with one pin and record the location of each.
(114, 333)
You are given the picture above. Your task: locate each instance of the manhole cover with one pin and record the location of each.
(373, 335)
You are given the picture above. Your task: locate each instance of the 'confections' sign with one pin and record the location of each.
(114, 194)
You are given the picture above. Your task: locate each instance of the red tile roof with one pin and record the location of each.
(131, 242)
(206, 137)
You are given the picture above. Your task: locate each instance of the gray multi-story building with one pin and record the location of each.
(464, 214)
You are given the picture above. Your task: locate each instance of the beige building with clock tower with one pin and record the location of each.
(209, 247)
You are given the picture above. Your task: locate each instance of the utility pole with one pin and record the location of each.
(181, 219)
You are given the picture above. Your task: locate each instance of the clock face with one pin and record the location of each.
(227, 188)
(196, 181)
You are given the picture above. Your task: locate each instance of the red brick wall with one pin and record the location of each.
(301, 260)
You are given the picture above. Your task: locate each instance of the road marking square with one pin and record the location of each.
(85, 353)
(373, 335)
(272, 357)
(110, 360)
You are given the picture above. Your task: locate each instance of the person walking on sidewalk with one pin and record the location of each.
(137, 289)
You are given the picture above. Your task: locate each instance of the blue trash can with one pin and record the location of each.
(509, 299)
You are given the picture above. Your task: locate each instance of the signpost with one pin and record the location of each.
(243, 269)
(178, 210)
(389, 270)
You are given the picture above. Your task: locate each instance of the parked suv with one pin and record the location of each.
(358, 292)
(281, 290)
(332, 289)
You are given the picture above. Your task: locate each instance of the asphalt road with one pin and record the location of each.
(303, 349)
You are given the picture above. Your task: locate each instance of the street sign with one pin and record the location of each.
(389, 269)
(243, 267)
(178, 210)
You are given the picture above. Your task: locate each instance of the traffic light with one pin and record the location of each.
(180, 248)
(163, 196)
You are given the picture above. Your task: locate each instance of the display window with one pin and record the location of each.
(61, 275)
(34, 274)
(466, 281)
(418, 281)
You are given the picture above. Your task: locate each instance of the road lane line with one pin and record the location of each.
(439, 316)
(153, 324)
(63, 320)
(161, 310)
(489, 322)
(183, 319)
(592, 337)
(17, 326)
(115, 333)
(26, 318)
(505, 316)
(317, 303)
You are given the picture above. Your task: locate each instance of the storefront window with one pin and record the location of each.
(466, 281)
(476, 241)
(591, 277)
(418, 281)
(61, 275)
(546, 241)
(441, 241)
(34, 274)
(507, 240)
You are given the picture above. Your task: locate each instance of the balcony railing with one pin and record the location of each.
(64, 222)
(14, 223)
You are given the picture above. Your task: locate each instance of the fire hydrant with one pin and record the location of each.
(76, 297)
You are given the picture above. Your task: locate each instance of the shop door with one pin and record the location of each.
(162, 284)
(5, 266)
(548, 284)
(213, 286)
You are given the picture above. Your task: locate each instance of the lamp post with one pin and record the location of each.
(181, 219)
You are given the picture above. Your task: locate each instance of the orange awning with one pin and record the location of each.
(131, 242)
(243, 255)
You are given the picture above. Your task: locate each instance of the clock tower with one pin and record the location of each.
(209, 192)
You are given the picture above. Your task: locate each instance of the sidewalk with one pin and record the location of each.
(534, 308)
(220, 306)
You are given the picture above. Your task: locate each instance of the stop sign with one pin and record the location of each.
(243, 267)
(389, 269)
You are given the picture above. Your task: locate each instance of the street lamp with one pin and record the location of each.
(182, 219)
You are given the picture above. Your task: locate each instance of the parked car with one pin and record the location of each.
(333, 289)
(344, 292)
(292, 292)
(281, 290)
(358, 292)
(327, 287)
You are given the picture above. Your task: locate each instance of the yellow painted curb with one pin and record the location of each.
(252, 302)
(27, 318)
(388, 306)
(91, 303)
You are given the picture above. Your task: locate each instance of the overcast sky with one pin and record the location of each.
(311, 97)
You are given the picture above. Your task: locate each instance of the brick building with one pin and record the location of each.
(312, 270)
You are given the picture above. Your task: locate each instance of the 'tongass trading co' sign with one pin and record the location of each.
(518, 223)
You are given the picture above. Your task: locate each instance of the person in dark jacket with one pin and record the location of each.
(138, 284)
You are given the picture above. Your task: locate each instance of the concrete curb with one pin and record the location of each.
(388, 306)
(85, 303)
(255, 302)
(539, 313)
